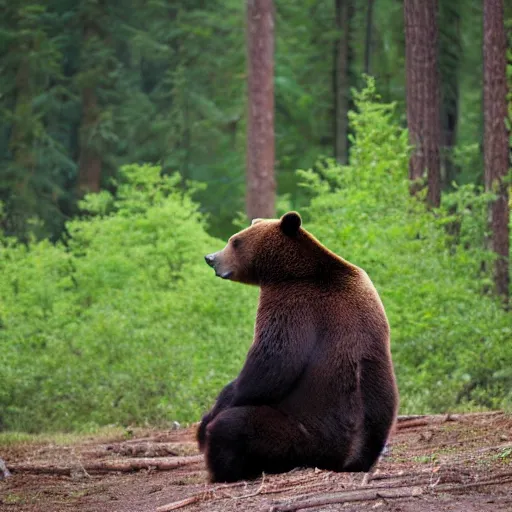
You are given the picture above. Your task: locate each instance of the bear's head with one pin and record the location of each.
(268, 250)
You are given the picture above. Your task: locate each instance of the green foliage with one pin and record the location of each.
(123, 323)
(451, 343)
(33, 161)
(166, 82)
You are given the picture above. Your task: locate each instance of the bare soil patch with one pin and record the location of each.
(458, 463)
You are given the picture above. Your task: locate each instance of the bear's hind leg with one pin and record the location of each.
(243, 442)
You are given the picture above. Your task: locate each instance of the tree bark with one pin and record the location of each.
(342, 64)
(260, 200)
(450, 56)
(423, 98)
(89, 166)
(496, 143)
(89, 160)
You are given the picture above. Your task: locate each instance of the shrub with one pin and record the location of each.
(124, 322)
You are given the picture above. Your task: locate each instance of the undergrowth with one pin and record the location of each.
(123, 323)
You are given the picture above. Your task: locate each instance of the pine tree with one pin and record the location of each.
(31, 93)
(496, 142)
(260, 125)
(423, 98)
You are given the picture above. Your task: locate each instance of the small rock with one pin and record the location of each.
(175, 425)
(4, 472)
(503, 437)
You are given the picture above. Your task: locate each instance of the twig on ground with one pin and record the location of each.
(275, 490)
(416, 423)
(405, 474)
(250, 495)
(366, 479)
(144, 449)
(180, 504)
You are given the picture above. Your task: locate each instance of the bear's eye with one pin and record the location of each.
(236, 243)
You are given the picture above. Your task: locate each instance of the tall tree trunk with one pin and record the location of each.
(260, 200)
(368, 38)
(342, 65)
(496, 143)
(423, 99)
(450, 55)
(89, 161)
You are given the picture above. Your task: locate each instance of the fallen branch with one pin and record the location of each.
(349, 497)
(144, 449)
(413, 424)
(403, 491)
(505, 479)
(413, 421)
(408, 417)
(422, 421)
(409, 475)
(441, 418)
(127, 465)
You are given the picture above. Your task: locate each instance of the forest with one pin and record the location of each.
(136, 137)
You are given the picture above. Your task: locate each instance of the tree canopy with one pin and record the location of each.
(91, 85)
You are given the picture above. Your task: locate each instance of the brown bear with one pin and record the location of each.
(317, 388)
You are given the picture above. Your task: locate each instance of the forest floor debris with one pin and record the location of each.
(441, 463)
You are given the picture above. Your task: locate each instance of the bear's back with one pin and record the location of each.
(349, 326)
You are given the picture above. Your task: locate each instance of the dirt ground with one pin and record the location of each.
(457, 463)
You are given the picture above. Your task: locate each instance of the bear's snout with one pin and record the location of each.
(210, 259)
(213, 261)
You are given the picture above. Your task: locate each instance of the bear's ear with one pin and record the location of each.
(255, 221)
(290, 223)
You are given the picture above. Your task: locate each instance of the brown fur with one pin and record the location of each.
(317, 388)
